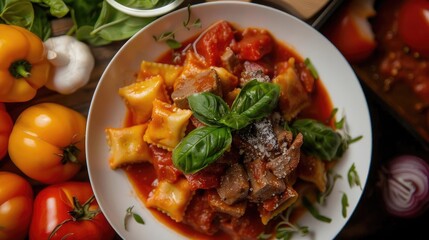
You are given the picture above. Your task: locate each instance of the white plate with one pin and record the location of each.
(112, 189)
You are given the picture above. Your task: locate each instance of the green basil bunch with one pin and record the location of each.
(204, 145)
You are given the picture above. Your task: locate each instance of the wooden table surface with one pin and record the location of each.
(389, 138)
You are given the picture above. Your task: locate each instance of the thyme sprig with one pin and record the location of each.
(130, 213)
(284, 230)
(313, 210)
(169, 37)
(332, 179)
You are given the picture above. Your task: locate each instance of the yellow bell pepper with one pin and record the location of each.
(24, 67)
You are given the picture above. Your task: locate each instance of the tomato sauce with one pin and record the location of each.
(142, 176)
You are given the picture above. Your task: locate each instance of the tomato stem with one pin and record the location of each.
(78, 213)
(20, 69)
(70, 154)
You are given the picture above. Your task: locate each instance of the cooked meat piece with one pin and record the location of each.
(234, 185)
(230, 61)
(201, 216)
(263, 183)
(235, 210)
(312, 169)
(253, 71)
(285, 163)
(258, 140)
(207, 81)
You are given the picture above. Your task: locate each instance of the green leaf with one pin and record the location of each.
(57, 8)
(353, 177)
(17, 12)
(173, 43)
(138, 218)
(130, 213)
(84, 12)
(256, 100)
(201, 147)
(314, 212)
(344, 204)
(319, 139)
(113, 25)
(208, 107)
(41, 25)
(235, 121)
(83, 33)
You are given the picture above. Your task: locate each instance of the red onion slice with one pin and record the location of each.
(405, 185)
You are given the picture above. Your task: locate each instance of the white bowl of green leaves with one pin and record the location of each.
(145, 8)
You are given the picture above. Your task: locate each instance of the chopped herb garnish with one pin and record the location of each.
(311, 68)
(307, 204)
(284, 230)
(134, 215)
(332, 178)
(344, 204)
(353, 177)
(195, 24)
(169, 37)
(173, 44)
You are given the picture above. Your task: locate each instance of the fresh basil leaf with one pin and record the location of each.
(319, 139)
(235, 121)
(344, 204)
(57, 8)
(201, 147)
(17, 12)
(256, 100)
(84, 12)
(83, 33)
(41, 25)
(113, 25)
(208, 107)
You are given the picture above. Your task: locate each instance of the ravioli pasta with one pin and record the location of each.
(265, 168)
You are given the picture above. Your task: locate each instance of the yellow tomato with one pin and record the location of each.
(16, 206)
(47, 142)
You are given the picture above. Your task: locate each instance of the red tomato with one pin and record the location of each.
(6, 125)
(56, 214)
(163, 164)
(351, 32)
(254, 45)
(16, 206)
(213, 43)
(413, 25)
